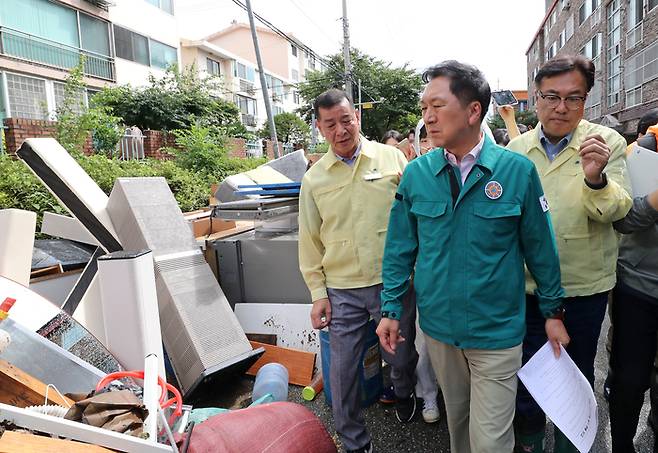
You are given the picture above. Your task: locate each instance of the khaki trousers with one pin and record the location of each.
(479, 390)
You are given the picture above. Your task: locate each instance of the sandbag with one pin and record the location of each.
(280, 427)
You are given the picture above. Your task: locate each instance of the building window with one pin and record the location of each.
(295, 97)
(244, 72)
(294, 50)
(586, 10)
(27, 97)
(94, 35)
(245, 104)
(561, 39)
(162, 55)
(295, 75)
(140, 49)
(164, 5)
(277, 109)
(568, 28)
(213, 67)
(633, 97)
(47, 20)
(59, 91)
(131, 46)
(614, 52)
(641, 68)
(551, 51)
(592, 48)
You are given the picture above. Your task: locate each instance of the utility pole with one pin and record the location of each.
(314, 131)
(360, 105)
(346, 53)
(263, 83)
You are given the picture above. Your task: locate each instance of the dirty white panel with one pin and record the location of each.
(291, 323)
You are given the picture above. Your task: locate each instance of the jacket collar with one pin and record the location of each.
(487, 158)
(330, 158)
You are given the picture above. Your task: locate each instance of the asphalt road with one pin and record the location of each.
(418, 437)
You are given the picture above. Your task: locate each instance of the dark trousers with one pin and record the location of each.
(583, 318)
(635, 317)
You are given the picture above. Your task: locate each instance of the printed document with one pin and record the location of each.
(642, 170)
(564, 394)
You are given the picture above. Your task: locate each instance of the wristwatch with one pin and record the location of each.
(600, 185)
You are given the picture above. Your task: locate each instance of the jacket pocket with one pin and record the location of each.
(425, 210)
(432, 223)
(340, 259)
(494, 226)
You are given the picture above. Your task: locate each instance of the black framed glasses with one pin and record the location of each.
(571, 102)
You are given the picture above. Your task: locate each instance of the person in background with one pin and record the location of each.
(634, 313)
(582, 169)
(426, 386)
(464, 219)
(344, 204)
(392, 138)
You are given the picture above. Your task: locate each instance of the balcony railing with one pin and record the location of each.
(23, 46)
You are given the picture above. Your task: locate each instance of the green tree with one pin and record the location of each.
(75, 121)
(527, 117)
(175, 101)
(289, 129)
(398, 88)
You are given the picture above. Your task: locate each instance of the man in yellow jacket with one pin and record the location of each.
(344, 206)
(583, 171)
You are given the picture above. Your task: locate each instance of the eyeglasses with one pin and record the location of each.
(572, 102)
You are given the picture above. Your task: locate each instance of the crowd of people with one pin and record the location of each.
(471, 256)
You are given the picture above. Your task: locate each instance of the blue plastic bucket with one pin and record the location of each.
(370, 366)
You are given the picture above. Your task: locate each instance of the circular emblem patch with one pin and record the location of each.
(493, 190)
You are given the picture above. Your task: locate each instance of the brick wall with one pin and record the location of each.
(18, 129)
(237, 147)
(154, 141)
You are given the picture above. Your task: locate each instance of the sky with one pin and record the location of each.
(490, 34)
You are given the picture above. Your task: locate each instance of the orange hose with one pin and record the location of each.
(164, 388)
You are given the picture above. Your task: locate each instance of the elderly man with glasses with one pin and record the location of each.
(582, 170)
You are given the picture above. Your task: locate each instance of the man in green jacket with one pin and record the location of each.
(465, 217)
(582, 169)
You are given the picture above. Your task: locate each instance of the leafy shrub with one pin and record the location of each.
(20, 189)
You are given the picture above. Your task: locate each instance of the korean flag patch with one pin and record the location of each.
(543, 203)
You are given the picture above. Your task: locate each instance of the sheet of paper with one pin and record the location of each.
(564, 394)
(643, 170)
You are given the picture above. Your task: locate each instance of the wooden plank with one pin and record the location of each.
(19, 389)
(267, 338)
(47, 271)
(14, 442)
(240, 227)
(300, 364)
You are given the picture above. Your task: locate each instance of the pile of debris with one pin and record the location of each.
(118, 334)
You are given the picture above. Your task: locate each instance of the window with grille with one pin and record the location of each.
(27, 97)
(59, 91)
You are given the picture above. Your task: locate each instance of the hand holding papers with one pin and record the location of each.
(564, 394)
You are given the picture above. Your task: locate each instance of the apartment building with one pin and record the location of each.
(40, 40)
(146, 39)
(230, 53)
(621, 37)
